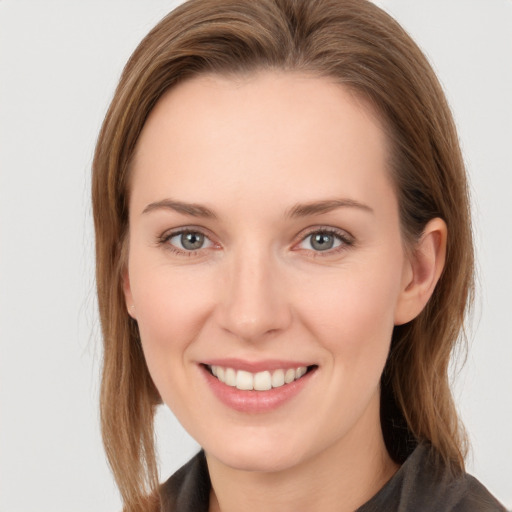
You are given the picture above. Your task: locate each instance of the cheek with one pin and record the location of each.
(171, 311)
(171, 307)
(352, 314)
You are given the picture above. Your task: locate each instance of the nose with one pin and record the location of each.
(254, 301)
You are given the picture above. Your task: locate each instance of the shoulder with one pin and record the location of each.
(187, 490)
(424, 484)
(478, 498)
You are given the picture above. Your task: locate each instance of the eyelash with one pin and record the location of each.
(166, 237)
(342, 236)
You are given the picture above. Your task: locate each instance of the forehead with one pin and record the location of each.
(260, 133)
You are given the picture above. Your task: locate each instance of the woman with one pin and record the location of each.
(284, 258)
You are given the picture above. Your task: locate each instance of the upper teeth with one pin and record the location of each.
(260, 381)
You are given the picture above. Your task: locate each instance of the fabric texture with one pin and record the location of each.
(422, 484)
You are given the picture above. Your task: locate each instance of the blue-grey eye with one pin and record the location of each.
(192, 241)
(321, 241)
(189, 241)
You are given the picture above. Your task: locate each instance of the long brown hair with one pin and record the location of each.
(364, 49)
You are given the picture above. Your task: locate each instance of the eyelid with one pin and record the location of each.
(166, 236)
(346, 238)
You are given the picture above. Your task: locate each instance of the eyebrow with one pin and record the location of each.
(192, 209)
(296, 211)
(319, 207)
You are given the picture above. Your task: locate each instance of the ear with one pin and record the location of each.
(422, 271)
(130, 306)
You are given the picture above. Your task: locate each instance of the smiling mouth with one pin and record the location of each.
(260, 381)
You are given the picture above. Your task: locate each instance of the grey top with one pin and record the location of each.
(420, 485)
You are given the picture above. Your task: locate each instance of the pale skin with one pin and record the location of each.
(251, 155)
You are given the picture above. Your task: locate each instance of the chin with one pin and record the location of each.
(257, 455)
(258, 461)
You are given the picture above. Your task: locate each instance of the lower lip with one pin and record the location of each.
(255, 401)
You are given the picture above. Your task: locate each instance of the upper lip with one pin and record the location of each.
(256, 366)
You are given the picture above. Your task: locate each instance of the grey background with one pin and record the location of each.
(59, 63)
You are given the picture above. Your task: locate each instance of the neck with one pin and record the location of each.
(341, 478)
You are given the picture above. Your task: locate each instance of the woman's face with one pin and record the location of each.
(264, 238)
